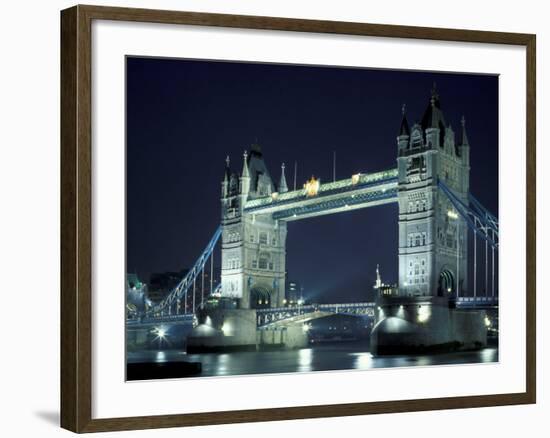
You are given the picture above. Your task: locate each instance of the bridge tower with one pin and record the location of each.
(253, 246)
(433, 246)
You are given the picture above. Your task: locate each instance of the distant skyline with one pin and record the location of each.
(184, 117)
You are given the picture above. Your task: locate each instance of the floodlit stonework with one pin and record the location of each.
(432, 236)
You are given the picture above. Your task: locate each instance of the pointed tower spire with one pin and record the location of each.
(464, 138)
(245, 179)
(282, 182)
(226, 178)
(227, 172)
(404, 129)
(378, 279)
(435, 95)
(245, 173)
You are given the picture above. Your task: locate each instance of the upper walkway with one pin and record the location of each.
(316, 199)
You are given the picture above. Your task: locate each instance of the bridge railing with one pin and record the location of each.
(277, 314)
(477, 301)
(154, 319)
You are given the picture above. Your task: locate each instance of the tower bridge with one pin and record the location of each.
(431, 187)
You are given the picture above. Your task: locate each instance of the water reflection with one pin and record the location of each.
(161, 356)
(362, 360)
(223, 364)
(344, 356)
(304, 359)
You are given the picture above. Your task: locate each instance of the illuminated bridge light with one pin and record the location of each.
(311, 187)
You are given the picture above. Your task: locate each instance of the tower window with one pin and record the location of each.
(264, 261)
(263, 238)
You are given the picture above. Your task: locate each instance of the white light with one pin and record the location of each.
(227, 329)
(306, 327)
(161, 333)
(487, 321)
(452, 214)
(424, 313)
(401, 312)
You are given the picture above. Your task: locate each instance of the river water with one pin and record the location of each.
(323, 357)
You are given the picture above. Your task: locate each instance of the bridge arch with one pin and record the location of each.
(446, 284)
(260, 296)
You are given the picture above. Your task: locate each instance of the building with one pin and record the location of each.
(432, 244)
(253, 247)
(136, 295)
(382, 289)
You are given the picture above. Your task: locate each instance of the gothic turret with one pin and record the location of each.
(404, 129)
(226, 178)
(404, 132)
(261, 183)
(433, 122)
(282, 182)
(464, 144)
(245, 178)
(464, 137)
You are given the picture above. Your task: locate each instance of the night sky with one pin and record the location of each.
(184, 117)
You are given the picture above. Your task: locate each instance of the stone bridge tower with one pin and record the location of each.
(433, 246)
(253, 246)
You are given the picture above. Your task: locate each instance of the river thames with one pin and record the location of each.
(322, 357)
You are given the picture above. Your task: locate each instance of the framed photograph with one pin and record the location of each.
(270, 218)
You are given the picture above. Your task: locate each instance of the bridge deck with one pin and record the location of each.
(293, 315)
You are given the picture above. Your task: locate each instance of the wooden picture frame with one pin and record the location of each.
(76, 218)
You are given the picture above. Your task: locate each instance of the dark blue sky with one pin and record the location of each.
(184, 117)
